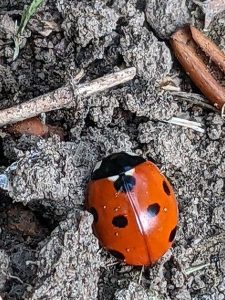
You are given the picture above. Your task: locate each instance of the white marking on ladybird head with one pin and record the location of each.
(97, 166)
(113, 178)
(132, 153)
(130, 172)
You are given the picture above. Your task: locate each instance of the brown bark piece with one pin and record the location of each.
(185, 51)
(32, 126)
(209, 47)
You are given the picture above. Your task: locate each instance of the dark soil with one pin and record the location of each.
(47, 248)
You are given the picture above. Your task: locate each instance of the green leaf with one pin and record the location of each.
(27, 14)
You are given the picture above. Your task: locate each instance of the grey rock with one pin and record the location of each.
(166, 16)
(51, 173)
(151, 57)
(85, 21)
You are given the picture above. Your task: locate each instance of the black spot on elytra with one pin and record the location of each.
(125, 183)
(153, 210)
(116, 164)
(117, 254)
(94, 212)
(166, 188)
(120, 221)
(172, 234)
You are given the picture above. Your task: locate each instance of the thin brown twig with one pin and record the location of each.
(64, 97)
(194, 98)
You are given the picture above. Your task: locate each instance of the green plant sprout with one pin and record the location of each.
(27, 14)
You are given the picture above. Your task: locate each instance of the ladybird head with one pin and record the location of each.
(116, 164)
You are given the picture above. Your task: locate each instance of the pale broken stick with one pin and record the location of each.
(63, 97)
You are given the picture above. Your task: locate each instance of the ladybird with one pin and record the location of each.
(134, 208)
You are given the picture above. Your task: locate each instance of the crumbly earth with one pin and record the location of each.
(47, 248)
(68, 261)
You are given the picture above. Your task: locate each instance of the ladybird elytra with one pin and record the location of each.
(134, 208)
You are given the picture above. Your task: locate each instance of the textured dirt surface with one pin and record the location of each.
(47, 248)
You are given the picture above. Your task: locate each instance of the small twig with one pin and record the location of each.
(11, 12)
(171, 88)
(63, 97)
(193, 98)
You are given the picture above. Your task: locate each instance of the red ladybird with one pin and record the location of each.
(134, 208)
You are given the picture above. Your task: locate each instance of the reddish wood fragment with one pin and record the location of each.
(209, 47)
(34, 126)
(185, 51)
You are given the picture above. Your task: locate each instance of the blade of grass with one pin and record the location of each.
(196, 268)
(27, 14)
(186, 123)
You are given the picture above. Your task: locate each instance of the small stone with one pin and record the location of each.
(166, 16)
